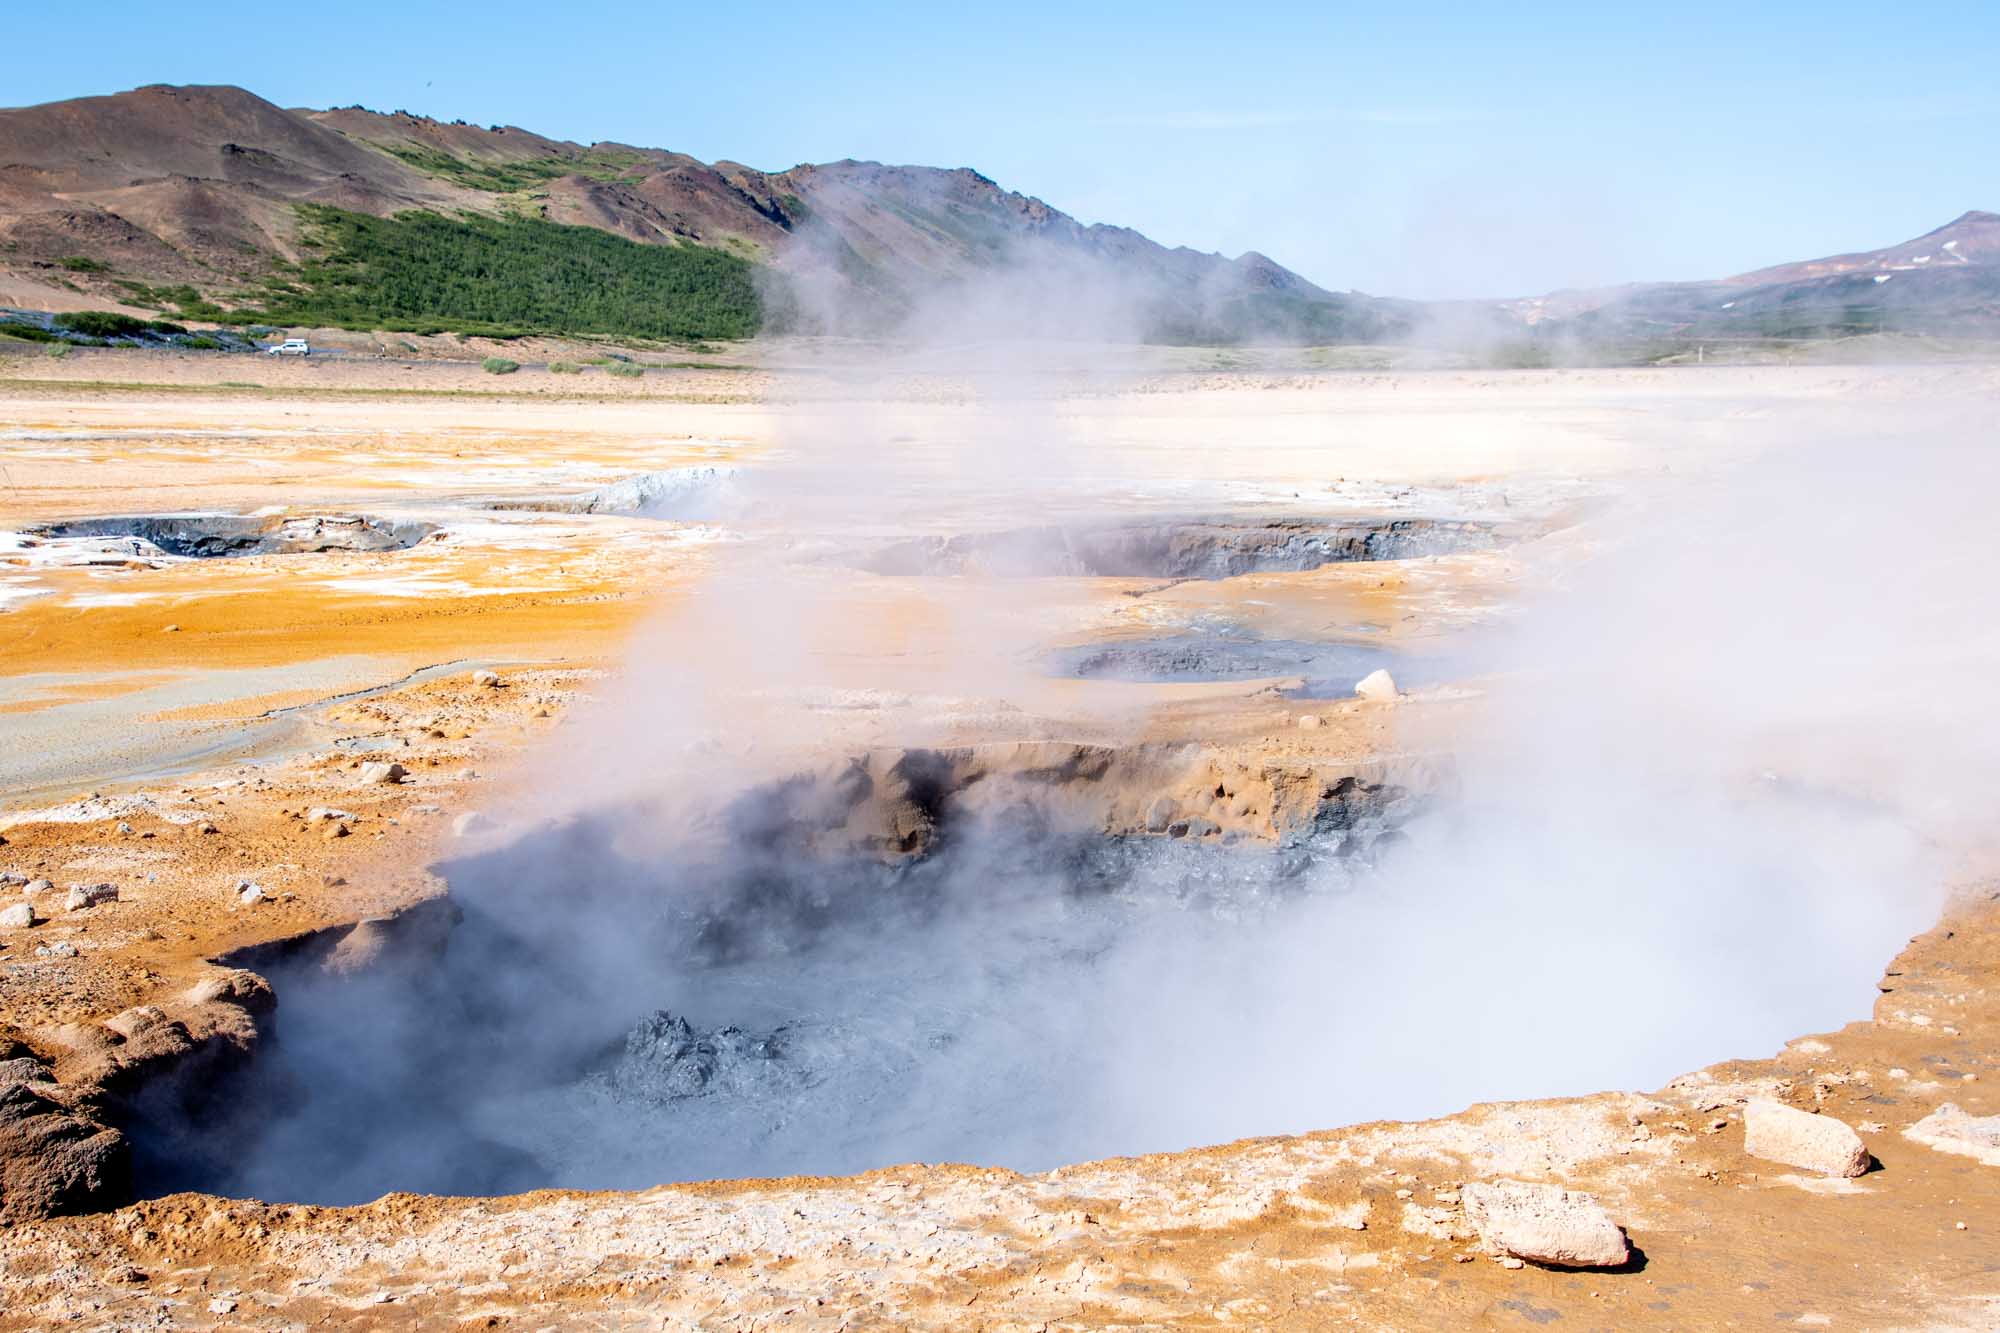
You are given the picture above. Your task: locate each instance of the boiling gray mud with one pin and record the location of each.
(592, 1019)
(598, 1007)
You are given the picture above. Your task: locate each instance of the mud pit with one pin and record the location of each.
(1325, 670)
(217, 536)
(1196, 548)
(904, 983)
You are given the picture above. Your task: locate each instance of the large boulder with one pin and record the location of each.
(1951, 1130)
(1545, 1224)
(1818, 1143)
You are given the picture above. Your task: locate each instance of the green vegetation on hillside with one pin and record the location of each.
(497, 277)
(110, 324)
(29, 333)
(507, 177)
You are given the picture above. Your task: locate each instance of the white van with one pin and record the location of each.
(290, 347)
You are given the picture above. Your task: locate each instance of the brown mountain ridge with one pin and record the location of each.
(202, 187)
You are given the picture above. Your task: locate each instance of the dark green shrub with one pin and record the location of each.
(101, 324)
(507, 277)
(499, 365)
(565, 367)
(625, 370)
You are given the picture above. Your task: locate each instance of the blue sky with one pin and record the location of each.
(1442, 150)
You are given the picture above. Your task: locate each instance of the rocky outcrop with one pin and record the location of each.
(150, 1068)
(899, 803)
(1951, 1130)
(54, 1158)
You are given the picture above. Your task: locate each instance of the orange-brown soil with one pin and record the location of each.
(1361, 1227)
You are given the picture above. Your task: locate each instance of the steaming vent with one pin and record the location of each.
(1184, 549)
(912, 954)
(674, 493)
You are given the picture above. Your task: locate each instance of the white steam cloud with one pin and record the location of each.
(1722, 762)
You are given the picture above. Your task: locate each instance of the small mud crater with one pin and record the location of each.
(216, 536)
(1228, 654)
(1184, 549)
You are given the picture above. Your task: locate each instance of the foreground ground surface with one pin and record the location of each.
(182, 728)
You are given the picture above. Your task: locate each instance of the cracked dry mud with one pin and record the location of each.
(1364, 1226)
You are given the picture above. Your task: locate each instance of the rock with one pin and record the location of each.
(60, 949)
(1159, 815)
(12, 877)
(124, 826)
(320, 814)
(1194, 826)
(124, 1275)
(18, 914)
(38, 886)
(1309, 721)
(336, 830)
(237, 987)
(1545, 1224)
(1377, 685)
(136, 1023)
(1951, 1130)
(222, 1305)
(470, 823)
(1780, 1133)
(383, 774)
(81, 896)
(250, 894)
(489, 680)
(53, 1160)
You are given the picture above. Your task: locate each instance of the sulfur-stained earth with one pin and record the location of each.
(187, 728)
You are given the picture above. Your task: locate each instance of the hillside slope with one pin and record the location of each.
(1943, 283)
(201, 188)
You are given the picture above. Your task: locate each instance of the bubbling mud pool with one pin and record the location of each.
(687, 1022)
(910, 962)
